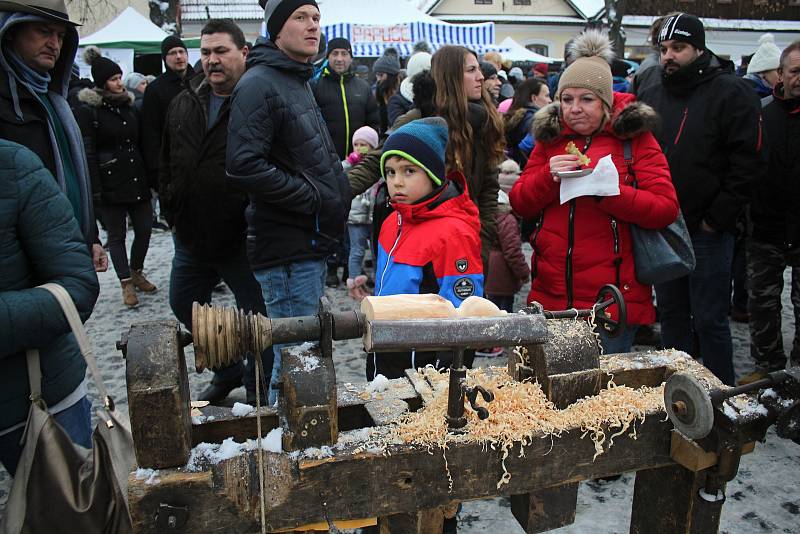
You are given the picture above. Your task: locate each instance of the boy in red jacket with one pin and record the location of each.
(431, 242)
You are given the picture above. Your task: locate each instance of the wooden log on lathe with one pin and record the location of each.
(391, 307)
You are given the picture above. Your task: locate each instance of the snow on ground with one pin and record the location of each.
(762, 498)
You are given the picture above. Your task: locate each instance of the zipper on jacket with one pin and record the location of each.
(760, 126)
(536, 230)
(617, 257)
(680, 128)
(346, 118)
(389, 256)
(570, 247)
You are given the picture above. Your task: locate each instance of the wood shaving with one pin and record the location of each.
(521, 414)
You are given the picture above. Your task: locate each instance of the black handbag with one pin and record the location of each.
(660, 255)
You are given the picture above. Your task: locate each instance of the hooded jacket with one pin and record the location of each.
(41, 243)
(280, 153)
(24, 120)
(110, 127)
(773, 212)
(197, 200)
(585, 243)
(518, 125)
(432, 247)
(156, 100)
(347, 104)
(711, 135)
(508, 269)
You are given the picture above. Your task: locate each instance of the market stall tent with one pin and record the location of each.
(364, 23)
(129, 35)
(516, 52)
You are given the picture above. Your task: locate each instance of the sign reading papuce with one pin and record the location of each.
(369, 33)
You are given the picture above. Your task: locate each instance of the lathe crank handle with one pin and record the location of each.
(472, 396)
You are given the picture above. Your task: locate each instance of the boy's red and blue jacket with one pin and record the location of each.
(433, 246)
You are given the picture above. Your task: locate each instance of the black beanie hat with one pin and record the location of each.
(339, 43)
(102, 67)
(277, 12)
(487, 69)
(170, 42)
(685, 28)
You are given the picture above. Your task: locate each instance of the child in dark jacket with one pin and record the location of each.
(508, 268)
(431, 242)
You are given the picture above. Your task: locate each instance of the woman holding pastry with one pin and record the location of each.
(581, 243)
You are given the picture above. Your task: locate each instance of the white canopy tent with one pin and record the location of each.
(516, 52)
(128, 34)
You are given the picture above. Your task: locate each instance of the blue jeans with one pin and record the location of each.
(619, 344)
(75, 420)
(697, 305)
(193, 280)
(359, 235)
(290, 290)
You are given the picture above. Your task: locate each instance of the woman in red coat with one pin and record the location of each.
(585, 243)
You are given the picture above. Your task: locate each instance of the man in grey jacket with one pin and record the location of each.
(37, 49)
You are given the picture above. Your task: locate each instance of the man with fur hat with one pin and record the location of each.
(711, 135)
(280, 153)
(156, 100)
(38, 49)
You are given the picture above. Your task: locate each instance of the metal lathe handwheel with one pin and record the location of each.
(607, 296)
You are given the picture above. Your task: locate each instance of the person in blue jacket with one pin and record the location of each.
(41, 243)
(431, 242)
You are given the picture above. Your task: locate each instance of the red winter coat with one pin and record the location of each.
(597, 227)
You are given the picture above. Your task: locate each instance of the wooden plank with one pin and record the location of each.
(309, 398)
(406, 479)
(428, 521)
(158, 395)
(563, 390)
(689, 454)
(666, 501)
(386, 411)
(546, 509)
(421, 385)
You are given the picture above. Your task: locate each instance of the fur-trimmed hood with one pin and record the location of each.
(629, 118)
(93, 97)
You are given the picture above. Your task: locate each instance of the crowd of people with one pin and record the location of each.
(277, 164)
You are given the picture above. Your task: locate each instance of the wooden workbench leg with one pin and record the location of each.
(423, 522)
(666, 500)
(546, 509)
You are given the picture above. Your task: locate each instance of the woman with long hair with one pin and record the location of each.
(477, 136)
(530, 96)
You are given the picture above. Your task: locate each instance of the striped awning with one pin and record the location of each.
(370, 40)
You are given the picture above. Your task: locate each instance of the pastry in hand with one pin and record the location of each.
(583, 159)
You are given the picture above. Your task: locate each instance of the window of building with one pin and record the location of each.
(522, 2)
(540, 49)
(483, 2)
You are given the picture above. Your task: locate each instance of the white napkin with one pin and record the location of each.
(603, 182)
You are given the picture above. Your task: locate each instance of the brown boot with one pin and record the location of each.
(141, 283)
(129, 293)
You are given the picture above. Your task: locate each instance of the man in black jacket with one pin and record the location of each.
(206, 215)
(156, 100)
(281, 154)
(347, 104)
(711, 136)
(774, 242)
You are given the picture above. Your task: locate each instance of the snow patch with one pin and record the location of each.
(770, 393)
(379, 384)
(198, 419)
(150, 476)
(214, 453)
(240, 410)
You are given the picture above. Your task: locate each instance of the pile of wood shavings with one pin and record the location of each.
(521, 413)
